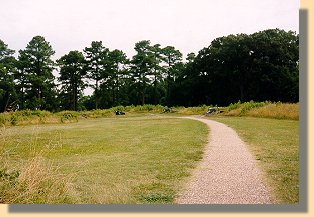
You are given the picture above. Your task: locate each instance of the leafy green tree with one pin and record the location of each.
(261, 66)
(36, 65)
(275, 54)
(97, 60)
(7, 70)
(72, 74)
(190, 57)
(228, 61)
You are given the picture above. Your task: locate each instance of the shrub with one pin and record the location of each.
(247, 106)
(234, 106)
(118, 108)
(129, 108)
(98, 113)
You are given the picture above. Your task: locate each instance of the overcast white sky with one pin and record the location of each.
(189, 25)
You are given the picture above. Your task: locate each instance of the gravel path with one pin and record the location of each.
(227, 174)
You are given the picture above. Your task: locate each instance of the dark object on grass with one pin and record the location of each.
(68, 115)
(167, 110)
(120, 113)
(212, 110)
(84, 115)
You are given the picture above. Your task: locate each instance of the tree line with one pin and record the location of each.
(260, 66)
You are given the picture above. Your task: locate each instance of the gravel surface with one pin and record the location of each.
(227, 173)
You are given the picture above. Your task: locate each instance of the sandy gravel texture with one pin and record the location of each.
(227, 174)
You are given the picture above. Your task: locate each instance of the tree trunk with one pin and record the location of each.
(155, 91)
(96, 95)
(168, 89)
(6, 99)
(117, 88)
(22, 97)
(40, 97)
(75, 98)
(241, 93)
(143, 94)
(113, 96)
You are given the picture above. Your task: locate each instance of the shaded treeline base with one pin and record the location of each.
(261, 66)
(254, 109)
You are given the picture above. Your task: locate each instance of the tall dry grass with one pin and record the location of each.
(28, 179)
(35, 182)
(197, 110)
(278, 111)
(264, 110)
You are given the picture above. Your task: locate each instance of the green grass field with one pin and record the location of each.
(275, 144)
(142, 157)
(108, 160)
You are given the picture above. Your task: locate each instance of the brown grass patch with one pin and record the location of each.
(278, 111)
(36, 182)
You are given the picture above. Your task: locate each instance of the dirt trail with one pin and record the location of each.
(227, 173)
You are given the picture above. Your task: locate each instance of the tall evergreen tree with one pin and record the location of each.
(172, 59)
(157, 70)
(116, 68)
(7, 70)
(72, 73)
(261, 66)
(36, 65)
(97, 61)
(141, 67)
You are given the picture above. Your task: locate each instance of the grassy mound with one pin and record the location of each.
(266, 109)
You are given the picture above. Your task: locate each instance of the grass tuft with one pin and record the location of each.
(34, 183)
(156, 193)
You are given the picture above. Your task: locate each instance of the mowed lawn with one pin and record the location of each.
(112, 160)
(275, 145)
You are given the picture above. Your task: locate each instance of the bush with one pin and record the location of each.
(234, 106)
(98, 113)
(149, 108)
(247, 106)
(118, 108)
